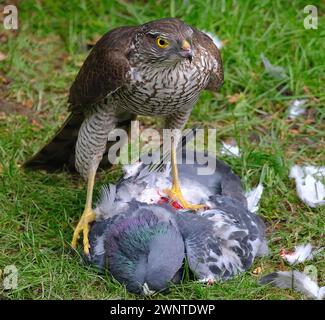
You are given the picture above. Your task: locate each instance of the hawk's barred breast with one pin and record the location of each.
(165, 90)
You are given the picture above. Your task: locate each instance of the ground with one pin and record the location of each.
(38, 63)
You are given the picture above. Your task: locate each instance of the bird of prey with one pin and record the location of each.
(142, 240)
(155, 69)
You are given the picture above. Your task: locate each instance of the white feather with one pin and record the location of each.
(301, 254)
(276, 72)
(207, 280)
(253, 198)
(130, 170)
(146, 290)
(230, 150)
(300, 282)
(105, 207)
(152, 193)
(297, 108)
(194, 191)
(310, 188)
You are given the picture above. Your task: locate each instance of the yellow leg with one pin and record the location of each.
(175, 192)
(87, 217)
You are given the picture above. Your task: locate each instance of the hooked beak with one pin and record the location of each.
(186, 50)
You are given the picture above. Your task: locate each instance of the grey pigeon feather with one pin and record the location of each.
(295, 280)
(223, 240)
(137, 247)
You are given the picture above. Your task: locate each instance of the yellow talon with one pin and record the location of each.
(175, 192)
(83, 226)
(87, 217)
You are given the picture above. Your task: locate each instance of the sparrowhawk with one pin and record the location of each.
(155, 69)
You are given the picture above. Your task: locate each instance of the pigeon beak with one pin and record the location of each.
(186, 51)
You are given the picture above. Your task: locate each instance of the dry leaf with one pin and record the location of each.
(3, 116)
(62, 117)
(234, 98)
(3, 79)
(3, 37)
(306, 90)
(258, 270)
(276, 239)
(294, 131)
(36, 125)
(2, 56)
(28, 104)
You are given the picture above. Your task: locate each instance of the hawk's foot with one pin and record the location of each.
(175, 194)
(87, 217)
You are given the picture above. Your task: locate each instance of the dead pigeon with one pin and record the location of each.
(142, 238)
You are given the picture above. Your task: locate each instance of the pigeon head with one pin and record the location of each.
(143, 252)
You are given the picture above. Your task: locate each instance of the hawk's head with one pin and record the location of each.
(166, 41)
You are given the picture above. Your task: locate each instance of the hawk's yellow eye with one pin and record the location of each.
(162, 43)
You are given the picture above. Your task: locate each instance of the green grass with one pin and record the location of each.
(38, 211)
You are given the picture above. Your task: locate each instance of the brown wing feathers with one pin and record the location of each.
(98, 77)
(216, 79)
(103, 71)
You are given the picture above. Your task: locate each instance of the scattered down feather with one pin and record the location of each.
(297, 281)
(309, 184)
(301, 254)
